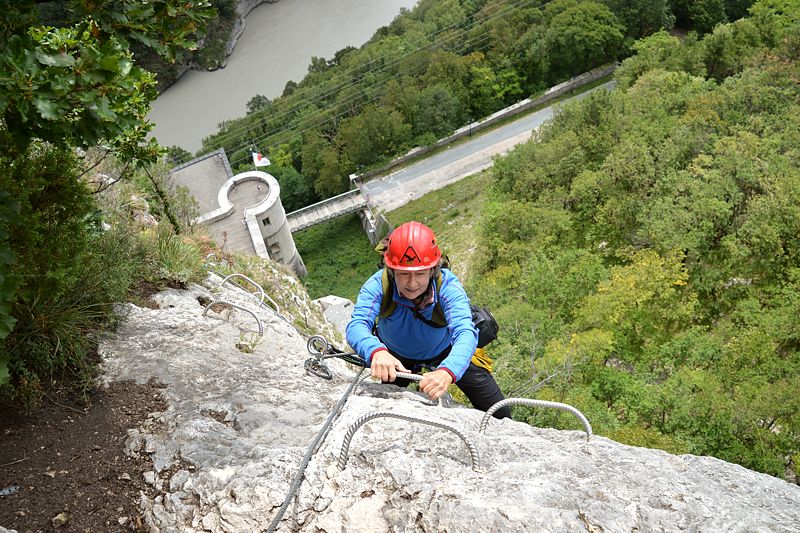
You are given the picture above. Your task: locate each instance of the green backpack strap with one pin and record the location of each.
(388, 305)
(437, 317)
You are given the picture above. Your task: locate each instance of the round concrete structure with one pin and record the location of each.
(265, 222)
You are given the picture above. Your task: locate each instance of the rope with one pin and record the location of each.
(299, 476)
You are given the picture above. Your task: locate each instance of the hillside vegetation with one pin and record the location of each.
(643, 254)
(432, 70)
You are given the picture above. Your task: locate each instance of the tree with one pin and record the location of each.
(8, 211)
(642, 17)
(289, 88)
(661, 51)
(728, 47)
(530, 57)
(257, 103)
(437, 112)
(700, 15)
(296, 190)
(372, 135)
(582, 37)
(63, 88)
(331, 180)
(643, 303)
(78, 84)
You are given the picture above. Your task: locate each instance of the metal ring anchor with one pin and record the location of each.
(318, 345)
(473, 451)
(536, 403)
(239, 307)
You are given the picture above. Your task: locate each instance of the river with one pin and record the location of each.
(276, 46)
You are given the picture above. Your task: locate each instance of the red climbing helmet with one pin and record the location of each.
(412, 246)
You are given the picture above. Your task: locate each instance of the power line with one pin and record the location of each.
(291, 129)
(330, 91)
(294, 131)
(463, 28)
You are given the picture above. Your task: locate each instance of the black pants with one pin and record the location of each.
(476, 383)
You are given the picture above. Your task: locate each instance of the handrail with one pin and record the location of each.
(406, 375)
(261, 289)
(239, 307)
(536, 403)
(342, 462)
(237, 275)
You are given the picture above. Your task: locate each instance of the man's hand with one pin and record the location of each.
(384, 366)
(435, 383)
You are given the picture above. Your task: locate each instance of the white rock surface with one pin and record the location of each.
(239, 423)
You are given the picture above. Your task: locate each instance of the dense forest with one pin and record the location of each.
(643, 254)
(432, 70)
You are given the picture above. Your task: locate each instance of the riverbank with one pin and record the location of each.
(213, 51)
(275, 47)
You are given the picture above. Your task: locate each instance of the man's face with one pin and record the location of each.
(412, 284)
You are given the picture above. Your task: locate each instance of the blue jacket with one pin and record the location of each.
(404, 334)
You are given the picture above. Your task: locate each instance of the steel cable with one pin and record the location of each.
(299, 476)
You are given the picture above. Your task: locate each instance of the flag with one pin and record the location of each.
(259, 160)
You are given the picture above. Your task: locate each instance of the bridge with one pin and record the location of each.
(348, 202)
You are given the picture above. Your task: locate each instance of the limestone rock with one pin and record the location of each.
(238, 424)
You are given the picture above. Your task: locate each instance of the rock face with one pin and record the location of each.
(241, 418)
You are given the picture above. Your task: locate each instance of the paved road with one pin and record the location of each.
(456, 162)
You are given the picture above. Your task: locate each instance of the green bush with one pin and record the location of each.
(173, 258)
(68, 272)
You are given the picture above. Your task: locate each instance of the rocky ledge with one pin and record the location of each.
(243, 411)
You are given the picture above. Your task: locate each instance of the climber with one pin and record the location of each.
(409, 339)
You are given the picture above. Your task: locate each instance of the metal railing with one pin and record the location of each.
(473, 451)
(239, 307)
(536, 403)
